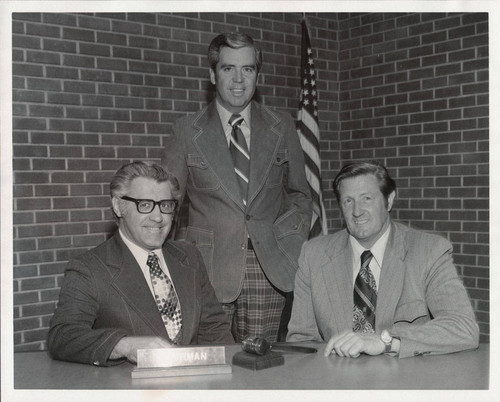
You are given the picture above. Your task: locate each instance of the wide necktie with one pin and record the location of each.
(365, 297)
(166, 298)
(240, 154)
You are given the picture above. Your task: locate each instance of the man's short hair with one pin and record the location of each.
(386, 184)
(120, 183)
(234, 40)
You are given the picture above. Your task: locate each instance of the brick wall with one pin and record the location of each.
(93, 91)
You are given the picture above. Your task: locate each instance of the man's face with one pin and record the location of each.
(235, 77)
(365, 209)
(148, 231)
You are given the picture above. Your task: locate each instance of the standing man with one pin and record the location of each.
(242, 166)
(379, 286)
(136, 290)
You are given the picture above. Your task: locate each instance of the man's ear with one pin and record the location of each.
(212, 76)
(115, 201)
(390, 200)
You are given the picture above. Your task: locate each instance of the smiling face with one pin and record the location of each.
(365, 209)
(148, 231)
(235, 77)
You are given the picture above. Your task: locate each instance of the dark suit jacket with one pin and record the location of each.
(420, 296)
(104, 297)
(278, 213)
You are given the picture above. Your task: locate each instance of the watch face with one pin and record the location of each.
(386, 337)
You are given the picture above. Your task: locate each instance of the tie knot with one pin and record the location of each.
(152, 260)
(235, 120)
(366, 257)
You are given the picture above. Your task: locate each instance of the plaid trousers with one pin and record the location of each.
(257, 310)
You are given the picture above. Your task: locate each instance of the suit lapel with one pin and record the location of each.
(337, 274)
(130, 283)
(263, 147)
(211, 143)
(391, 279)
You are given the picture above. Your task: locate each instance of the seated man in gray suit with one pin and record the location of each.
(136, 290)
(379, 286)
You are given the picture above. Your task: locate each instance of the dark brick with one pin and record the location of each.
(27, 96)
(89, 21)
(22, 69)
(112, 64)
(95, 49)
(81, 35)
(48, 164)
(38, 309)
(56, 268)
(46, 111)
(79, 87)
(35, 257)
(62, 72)
(56, 45)
(111, 38)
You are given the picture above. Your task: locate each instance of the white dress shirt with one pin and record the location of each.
(378, 250)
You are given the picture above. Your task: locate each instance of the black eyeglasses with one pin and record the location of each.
(147, 206)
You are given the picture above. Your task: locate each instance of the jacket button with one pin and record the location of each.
(278, 159)
(203, 163)
(295, 227)
(96, 363)
(248, 217)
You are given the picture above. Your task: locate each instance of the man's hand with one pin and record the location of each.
(127, 346)
(352, 344)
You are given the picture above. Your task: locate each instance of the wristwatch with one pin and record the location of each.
(386, 337)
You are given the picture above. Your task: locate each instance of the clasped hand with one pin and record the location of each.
(352, 344)
(128, 346)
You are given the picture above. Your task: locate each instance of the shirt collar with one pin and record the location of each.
(378, 249)
(225, 114)
(140, 254)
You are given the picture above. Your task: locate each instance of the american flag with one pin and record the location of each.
(308, 130)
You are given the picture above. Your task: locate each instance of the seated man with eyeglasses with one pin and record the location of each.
(136, 290)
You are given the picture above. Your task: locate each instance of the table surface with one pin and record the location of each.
(460, 371)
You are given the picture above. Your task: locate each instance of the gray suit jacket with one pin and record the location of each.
(421, 299)
(278, 213)
(104, 297)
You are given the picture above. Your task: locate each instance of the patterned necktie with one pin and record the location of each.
(166, 298)
(240, 154)
(365, 297)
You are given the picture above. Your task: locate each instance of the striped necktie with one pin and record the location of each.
(240, 154)
(166, 298)
(365, 297)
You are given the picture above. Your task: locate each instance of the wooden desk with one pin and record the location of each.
(461, 371)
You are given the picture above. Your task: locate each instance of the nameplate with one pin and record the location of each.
(181, 371)
(181, 356)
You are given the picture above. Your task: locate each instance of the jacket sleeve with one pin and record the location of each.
(302, 325)
(452, 326)
(71, 335)
(214, 326)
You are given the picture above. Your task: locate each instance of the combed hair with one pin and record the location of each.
(234, 40)
(386, 184)
(120, 183)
